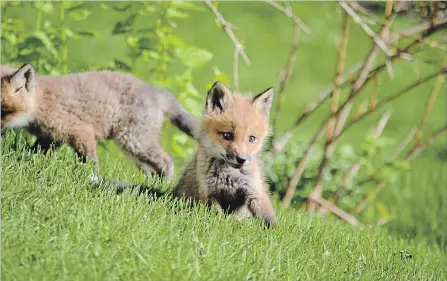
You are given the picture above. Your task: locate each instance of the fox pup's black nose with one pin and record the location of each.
(240, 160)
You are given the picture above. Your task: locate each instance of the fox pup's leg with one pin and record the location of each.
(243, 212)
(158, 159)
(261, 207)
(212, 201)
(84, 142)
(45, 143)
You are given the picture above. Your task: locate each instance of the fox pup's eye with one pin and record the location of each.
(18, 89)
(228, 136)
(252, 139)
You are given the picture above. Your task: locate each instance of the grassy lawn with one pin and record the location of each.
(56, 227)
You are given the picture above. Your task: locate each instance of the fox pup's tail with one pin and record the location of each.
(181, 118)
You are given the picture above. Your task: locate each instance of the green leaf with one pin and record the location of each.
(45, 7)
(150, 55)
(42, 36)
(132, 41)
(383, 211)
(67, 32)
(148, 9)
(186, 5)
(124, 26)
(79, 15)
(176, 14)
(192, 57)
(181, 138)
(86, 34)
(121, 7)
(219, 76)
(401, 165)
(104, 6)
(193, 106)
(122, 65)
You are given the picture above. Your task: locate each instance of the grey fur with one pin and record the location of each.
(83, 107)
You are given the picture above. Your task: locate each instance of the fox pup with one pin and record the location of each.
(225, 170)
(81, 108)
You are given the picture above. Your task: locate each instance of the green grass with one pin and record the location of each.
(54, 226)
(57, 227)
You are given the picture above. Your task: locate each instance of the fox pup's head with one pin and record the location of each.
(17, 96)
(235, 126)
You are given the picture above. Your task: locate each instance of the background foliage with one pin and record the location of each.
(179, 46)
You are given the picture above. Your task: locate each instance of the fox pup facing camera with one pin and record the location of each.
(226, 171)
(83, 107)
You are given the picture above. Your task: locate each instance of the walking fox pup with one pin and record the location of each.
(225, 170)
(81, 108)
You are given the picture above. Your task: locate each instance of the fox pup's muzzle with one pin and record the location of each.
(236, 161)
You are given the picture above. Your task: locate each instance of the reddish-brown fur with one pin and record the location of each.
(216, 175)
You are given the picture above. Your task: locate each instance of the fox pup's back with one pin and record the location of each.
(226, 169)
(83, 107)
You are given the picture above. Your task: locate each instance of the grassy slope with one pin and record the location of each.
(36, 205)
(55, 227)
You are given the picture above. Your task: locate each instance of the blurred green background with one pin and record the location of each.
(418, 197)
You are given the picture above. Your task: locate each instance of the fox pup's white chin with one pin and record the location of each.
(20, 120)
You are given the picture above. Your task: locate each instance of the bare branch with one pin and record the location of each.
(236, 69)
(366, 28)
(410, 155)
(329, 146)
(428, 107)
(280, 142)
(337, 211)
(423, 145)
(406, 141)
(301, 165)
(391, 98)
(285, 75)
(361, 206)
(227, 28)
(300, 168)
(356, 166)
(289, 13)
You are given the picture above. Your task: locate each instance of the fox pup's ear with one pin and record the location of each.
(219, 98)
(263, 101)
(24, 77)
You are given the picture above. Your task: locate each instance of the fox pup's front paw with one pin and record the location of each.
(270, 221)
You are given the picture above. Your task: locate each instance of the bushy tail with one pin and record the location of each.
(181, 118)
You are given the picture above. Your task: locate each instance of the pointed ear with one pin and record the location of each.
(25, 76)
(219, 97)
(263, 101)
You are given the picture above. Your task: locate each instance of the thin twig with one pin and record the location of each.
(406, 141)
(300, 168)
(337, 211)
(356, 166)
(391, 98)
(229, 31)
(364, 202)
(366, 28)
(236, 69)
(428, 107)
(366, 12)
(410, 155)
(328, 149)
(301, 165)
(363, 76)
(285, 75)
(289, 13)
(280, 142)
(423, 145)
(342, 117)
